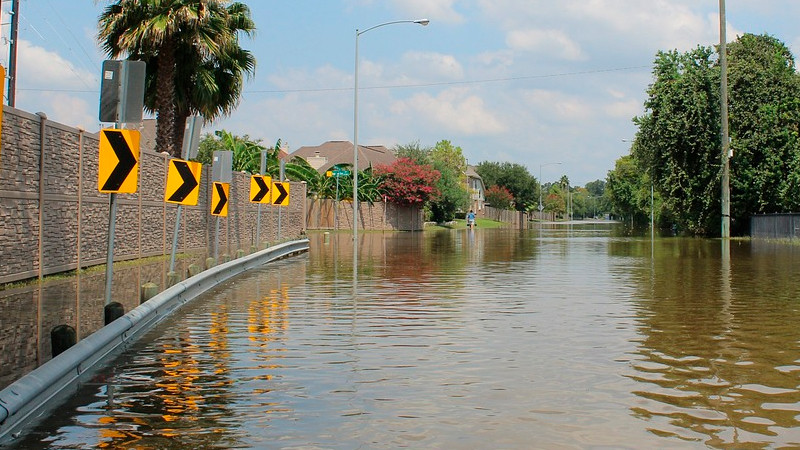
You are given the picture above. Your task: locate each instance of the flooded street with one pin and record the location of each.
(562, 337)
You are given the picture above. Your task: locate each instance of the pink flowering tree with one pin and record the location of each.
(407, 183)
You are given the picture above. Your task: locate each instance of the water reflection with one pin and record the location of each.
(718, 355)
(31, 312)
(566, 337)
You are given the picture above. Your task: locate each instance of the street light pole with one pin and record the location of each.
(541, 207)
(422, 22)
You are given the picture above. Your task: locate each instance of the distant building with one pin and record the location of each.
(324, 157)
(476, 189)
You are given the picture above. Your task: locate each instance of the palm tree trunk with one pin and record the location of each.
(165, 104)
(180, 127)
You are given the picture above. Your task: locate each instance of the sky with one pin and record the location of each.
(550, 85)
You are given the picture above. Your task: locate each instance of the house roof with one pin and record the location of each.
(323, 157)
(471, 173)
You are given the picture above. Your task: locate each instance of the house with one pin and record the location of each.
(332, 153)
(476, 189)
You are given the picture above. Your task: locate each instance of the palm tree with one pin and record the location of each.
(195, 63)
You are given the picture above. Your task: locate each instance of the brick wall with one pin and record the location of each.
(47, 164)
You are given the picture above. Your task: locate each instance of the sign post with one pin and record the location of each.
(222, 164)
(191, 140)
(121, 101)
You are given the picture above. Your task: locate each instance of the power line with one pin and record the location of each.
(405, 86)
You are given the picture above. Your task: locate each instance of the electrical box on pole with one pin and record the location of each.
(122, 85)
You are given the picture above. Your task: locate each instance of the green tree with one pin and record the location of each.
(453, 195)
(626, 189)
(596, 188)
(764, 120)
(678, 141)
(191, 47)
(515, 178)
(413, 151)
(450, 155)
(246, 155)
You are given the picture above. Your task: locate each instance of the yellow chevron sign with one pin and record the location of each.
(219, 199)
(280, 193)
(118, 168)
(259, 189)
(183, 182)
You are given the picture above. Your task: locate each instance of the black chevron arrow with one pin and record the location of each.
(282, 194)
(189, 183)
(126, 160)
(263, 189)
(223, 199)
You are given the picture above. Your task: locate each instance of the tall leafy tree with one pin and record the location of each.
(450, 155)
(678, 141)
(195, 63)
(678, 138)
(453, 196)
(625, 190)
(764, 121)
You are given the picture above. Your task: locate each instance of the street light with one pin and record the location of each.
(422, 22)
(541, 207)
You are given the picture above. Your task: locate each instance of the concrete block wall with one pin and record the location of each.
(54, 219)
(321, 214)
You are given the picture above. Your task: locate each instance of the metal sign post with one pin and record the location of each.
(222, 164)
(121, 80)
(262, 169)
(191, 140)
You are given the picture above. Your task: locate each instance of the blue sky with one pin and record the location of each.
(527, 81)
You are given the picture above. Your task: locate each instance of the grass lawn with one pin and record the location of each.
(460, 224)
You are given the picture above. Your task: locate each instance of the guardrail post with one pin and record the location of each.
(113, 311)
(62, 337)
(149, 290)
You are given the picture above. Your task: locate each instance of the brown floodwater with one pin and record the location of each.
(559, 337)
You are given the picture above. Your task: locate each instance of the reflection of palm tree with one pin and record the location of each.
(192, 52)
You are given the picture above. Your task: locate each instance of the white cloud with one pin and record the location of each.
(453, 110)
(558, 105)
(624, 109)
(434, 10)
(433, 65)
(40, 68)
(553, 42)
(72, 111)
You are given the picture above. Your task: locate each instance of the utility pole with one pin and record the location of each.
(12, 58)
(723, 63)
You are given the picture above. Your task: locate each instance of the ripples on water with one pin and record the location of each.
(565, 338)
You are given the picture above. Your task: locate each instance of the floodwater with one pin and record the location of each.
(564, 337)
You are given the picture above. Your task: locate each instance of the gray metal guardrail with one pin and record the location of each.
(33, 396)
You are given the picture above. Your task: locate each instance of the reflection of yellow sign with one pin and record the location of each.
(280, 194)
(219, 199)
(259, 189)
(183, 182)
(2, 94)
(118, 169)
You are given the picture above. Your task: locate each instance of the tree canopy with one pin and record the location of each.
(514, 177)
(678, 142)
(194, 61)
